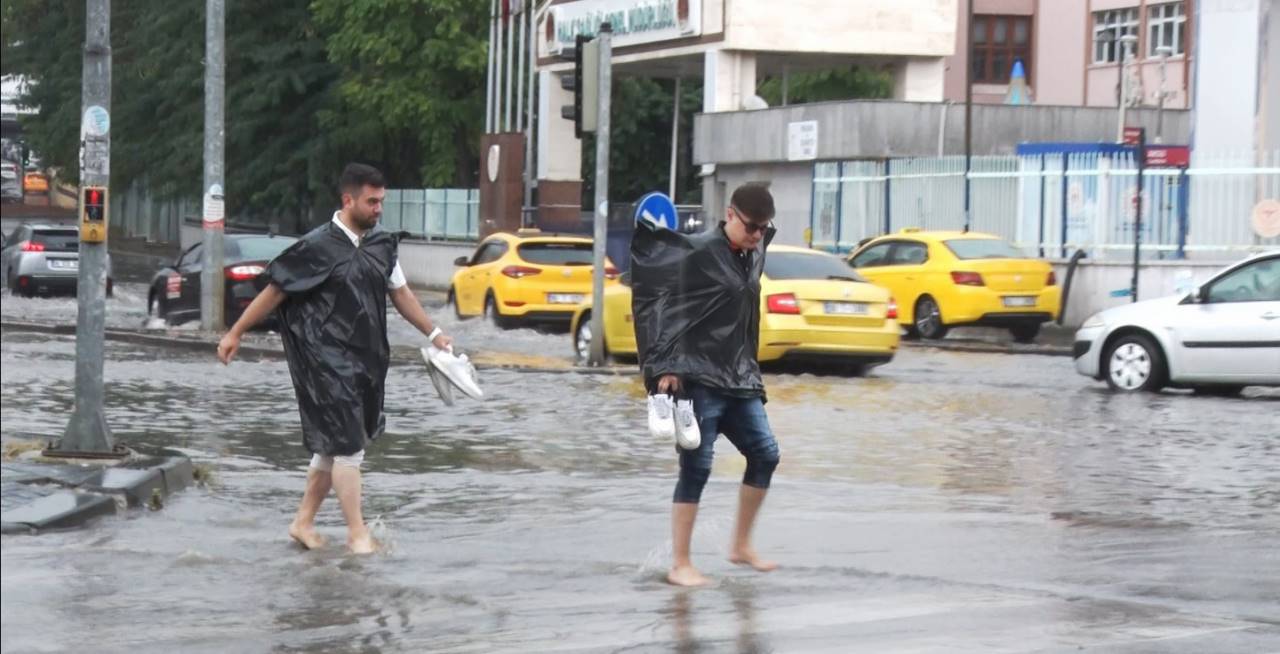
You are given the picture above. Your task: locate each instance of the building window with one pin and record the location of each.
(998, 41)
(1108, 27)
(1166, 26)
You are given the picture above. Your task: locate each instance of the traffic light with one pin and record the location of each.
(584, 84)
(93, 214)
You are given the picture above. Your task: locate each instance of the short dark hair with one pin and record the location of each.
(754, 201)
(357, 175)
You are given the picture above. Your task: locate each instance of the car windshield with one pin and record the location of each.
(556, 254)
(57, 240)
(808, 265)
(983, 248)
(263, 248)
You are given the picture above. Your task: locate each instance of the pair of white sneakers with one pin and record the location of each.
(670, 418)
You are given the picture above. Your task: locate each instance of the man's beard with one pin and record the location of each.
(365, 222)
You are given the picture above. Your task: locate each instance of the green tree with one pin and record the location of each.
(413, 75)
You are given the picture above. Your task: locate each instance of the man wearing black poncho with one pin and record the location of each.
(696, 302)
(330, 292)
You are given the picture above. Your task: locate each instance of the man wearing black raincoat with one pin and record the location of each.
(330, 290)
(696, 302)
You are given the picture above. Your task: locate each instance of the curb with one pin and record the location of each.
(68, 496)
(989, 348)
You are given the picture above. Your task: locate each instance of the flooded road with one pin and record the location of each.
(949, 502)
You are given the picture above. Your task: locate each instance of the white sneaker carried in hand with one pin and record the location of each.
(688, 435)
(662, 422)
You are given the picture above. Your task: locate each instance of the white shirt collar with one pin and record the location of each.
(337, 218)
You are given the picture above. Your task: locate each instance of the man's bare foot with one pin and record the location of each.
(749, 557)
(364, 544)
(686, 575)
(306, 536)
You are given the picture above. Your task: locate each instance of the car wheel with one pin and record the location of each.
(453, 300)
(1025, 332)
(1134, 363)
(927, 320)
(1219, 390)
(491, 313)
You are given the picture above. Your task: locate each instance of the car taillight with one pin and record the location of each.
(610, 272)
(31, 246)
(244, 273)
(1052, 280)
(516, 272)
(891, 310)
(783, 303)
(967, 278)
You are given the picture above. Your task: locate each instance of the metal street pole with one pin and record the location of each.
(1164, 51)
(489, 71)
(529, 173)
(968, 112)
(1124, 43)
(87, 433)
(675, 141)
(212, 279)
(604, 86)
(1137, 217)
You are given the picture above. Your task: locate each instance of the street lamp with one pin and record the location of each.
(1164, 51)
(1125, 42)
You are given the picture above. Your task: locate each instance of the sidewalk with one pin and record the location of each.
(39, 494)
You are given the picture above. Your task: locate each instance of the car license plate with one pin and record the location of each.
(846, 308)
(564, 298)
(1020, 301)
(64, 264)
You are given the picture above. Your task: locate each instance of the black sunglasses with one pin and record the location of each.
(751, 227)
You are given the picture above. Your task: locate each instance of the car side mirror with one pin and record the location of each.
(1202, 295)
(462, 261)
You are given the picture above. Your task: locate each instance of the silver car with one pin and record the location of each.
(43, 260)
(1218, 339)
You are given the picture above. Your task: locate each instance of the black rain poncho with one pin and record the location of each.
(697, 309)
(334, 327)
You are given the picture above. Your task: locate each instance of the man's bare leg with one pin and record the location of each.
(346, 480)
(683, 515)
(749, 500)
(303, 528)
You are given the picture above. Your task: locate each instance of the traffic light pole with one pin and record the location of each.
(87, 434)
(604, 84)
(212, 279)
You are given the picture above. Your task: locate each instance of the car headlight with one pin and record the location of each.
(1094, 322)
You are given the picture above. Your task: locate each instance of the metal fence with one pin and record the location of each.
(433, 214)
(1051, 204)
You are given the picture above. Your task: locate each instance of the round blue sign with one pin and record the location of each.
(658, 209)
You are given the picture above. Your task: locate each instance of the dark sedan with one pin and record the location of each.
(175, 290)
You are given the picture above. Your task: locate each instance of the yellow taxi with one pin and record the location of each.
(35, 182)
(529, 276)
(812, 307)
(946, 279)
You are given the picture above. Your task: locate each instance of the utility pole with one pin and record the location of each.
(675, 142)
(603, 88)
(87, 434)
(212, 279)
(968, 111)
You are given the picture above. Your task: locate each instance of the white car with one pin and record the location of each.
(1218, 339)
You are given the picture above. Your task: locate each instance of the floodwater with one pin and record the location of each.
(947, 502)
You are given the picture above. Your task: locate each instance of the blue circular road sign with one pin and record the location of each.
(658, 209)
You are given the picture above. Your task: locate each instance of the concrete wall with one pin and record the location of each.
(1227, 67)
(862, 129)
(1094, 281)
(791, 185)
(885, 27)
(430, 265)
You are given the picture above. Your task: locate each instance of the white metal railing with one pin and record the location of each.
(1053, 204)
